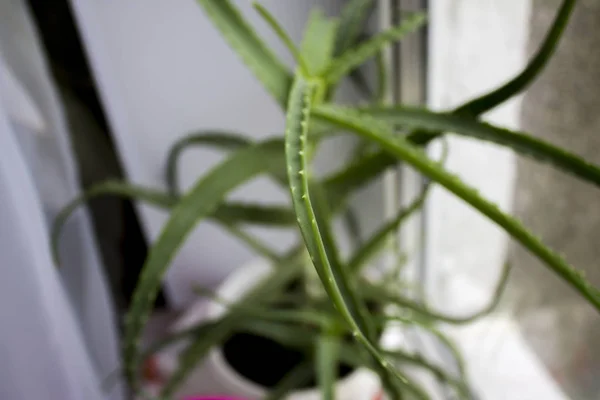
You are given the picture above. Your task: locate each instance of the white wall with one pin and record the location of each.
(163, 71)
(475, 45)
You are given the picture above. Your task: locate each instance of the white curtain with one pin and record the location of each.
(58, 336)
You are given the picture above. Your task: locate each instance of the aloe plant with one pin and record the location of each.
(342, 321)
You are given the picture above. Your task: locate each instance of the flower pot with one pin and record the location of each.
(217, 376)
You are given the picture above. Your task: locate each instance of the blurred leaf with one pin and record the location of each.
(354, 57)
(382, 294)
(318, 41)
(219, 139)
(281, 33)
(202, 200)
(297, 377)
(516, 85)
(254, 53)
(353, 20)
(227, 214)
(379, 132)
(519, 142)
(326, 364)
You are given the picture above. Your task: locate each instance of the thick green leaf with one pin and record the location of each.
(282, 34)
(245, 42)
(516, 85)
(326, 364)
(318, 41)
(379, 132)
(353, 20)
(353, 58)
(219, 139)
(202, 200)
(332, 276)
(519, 142)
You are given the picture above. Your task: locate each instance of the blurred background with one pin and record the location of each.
(91, 90)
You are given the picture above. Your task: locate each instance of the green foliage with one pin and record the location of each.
(342, 320)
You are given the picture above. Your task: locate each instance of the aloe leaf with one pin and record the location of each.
(531, 71)
(245, 42)
(326, 363)
(202, 200)
(332, 276)
(519, 83)
(378, 240)
(219, 139)
(281, 33)
(299, 316)
(318, 41)
(424, 311)
(352, 58)
(268, 289)
(226, 213)
(353, 19)
(429, 327)
(360, 172)
(379, 132)
(521, 143)
(415, 359)
(251, 241)
(196, 351)
(353, 226)
(296, 378)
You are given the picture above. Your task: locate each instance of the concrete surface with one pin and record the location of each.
(562, 107)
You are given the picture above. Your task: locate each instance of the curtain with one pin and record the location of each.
(58, 337)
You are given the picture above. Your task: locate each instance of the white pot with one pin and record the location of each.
(215, 376)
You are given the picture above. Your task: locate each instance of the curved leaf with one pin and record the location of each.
(254, 53)
(531, 71)
(353, 19)
(403, 150)
(281, 33)
(426, 312)
(429, 327)
(352, 58)
(519, 142)
(228, 214)
(516, 85)
(378, 240)
(417, 360)
(332, 276)
(198, 203)
(219, 139)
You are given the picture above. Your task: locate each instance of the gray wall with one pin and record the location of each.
(563, 108)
